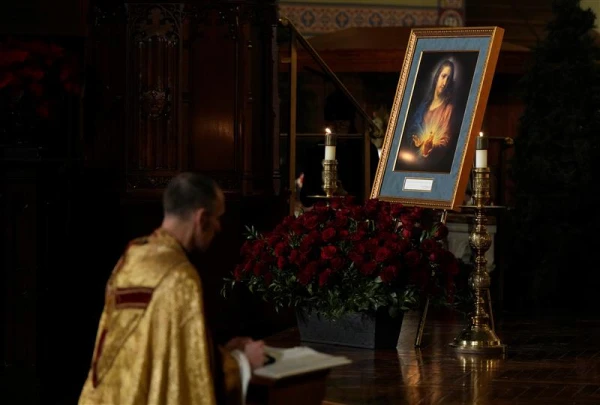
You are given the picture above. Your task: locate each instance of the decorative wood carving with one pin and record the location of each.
(154, 61)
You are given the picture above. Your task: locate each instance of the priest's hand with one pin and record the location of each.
(255, 352)
(238, 343)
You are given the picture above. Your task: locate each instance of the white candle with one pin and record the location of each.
(329, 152)
(481, 153)
(329, 145)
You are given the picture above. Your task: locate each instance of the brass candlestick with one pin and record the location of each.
(329, 177)
(329, 173)
(479, 336)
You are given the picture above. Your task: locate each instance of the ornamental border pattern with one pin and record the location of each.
(316, 18)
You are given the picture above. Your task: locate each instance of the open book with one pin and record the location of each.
(297, 360)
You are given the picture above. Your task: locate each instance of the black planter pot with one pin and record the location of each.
(370, 331)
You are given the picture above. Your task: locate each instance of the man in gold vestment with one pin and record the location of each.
(153, 346)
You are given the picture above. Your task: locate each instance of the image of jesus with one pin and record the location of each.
(436, 112)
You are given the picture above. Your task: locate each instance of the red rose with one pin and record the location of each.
(297, 228)
(281, 249)
(273, 240)
(294, 256)
(323, 277)
(357, 213)
(403, 246)
(248, 267)
(289, 220)
(6, 78)
(428, 245)
(440, 232)
(343, 234)
(320, 208)
(358, 235)
(259, 268)
(371, 245)
(361, 248)
(406, 233)
(336, 203)
(328, 234)
(267, 258)
(306, 245)
(281, 262)
(246, 248)
(315, 236)
(368, 268)
(416, 213)
(237, 273)
(356, 258)
(337, 263)
(303, 278)
(433, 257)
(388, 273)
(407, 221)
(328, 252)
(382, 254)
(340, 221)
(396, 210)
(257, 247)
(311, 222)
(268, 279)
(412, 258)
(307, 273)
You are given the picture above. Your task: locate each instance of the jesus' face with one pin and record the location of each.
(442, 81)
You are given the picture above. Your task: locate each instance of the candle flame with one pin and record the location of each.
(481, 134)
(327, 131)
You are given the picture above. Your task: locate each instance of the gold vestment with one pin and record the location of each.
(153, 346)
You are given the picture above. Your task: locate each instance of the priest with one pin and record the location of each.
(153, 346)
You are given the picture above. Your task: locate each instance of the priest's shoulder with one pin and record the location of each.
(183, 274)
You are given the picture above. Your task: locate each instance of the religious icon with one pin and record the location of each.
(436, 111)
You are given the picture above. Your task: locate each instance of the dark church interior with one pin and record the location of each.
(102, 102)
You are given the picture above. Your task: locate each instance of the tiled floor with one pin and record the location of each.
(547, 362)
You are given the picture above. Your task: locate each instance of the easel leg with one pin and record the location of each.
(489, 302)
(421, 328)
(423, 319)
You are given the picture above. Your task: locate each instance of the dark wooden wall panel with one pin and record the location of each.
(213, 81)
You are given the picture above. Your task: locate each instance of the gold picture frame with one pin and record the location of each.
(437, 112)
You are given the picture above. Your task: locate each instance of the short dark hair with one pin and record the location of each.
(188, 192)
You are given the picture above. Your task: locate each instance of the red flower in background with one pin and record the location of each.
(345, 257)
(34, 75)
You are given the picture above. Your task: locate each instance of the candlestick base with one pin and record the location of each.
(478, 339)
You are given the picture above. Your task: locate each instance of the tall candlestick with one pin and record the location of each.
(329, 145)
(481, 153)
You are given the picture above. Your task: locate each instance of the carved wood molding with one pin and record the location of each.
(230, 182)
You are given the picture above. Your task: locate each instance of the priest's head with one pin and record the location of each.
(193, 205)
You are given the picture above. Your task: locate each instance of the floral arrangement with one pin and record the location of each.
(346, 258)
(33, 76)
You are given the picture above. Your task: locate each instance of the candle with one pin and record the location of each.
(481, 152)
(329, 145)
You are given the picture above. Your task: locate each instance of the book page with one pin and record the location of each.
(297, 360)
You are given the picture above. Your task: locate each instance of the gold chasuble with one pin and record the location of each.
(153, 346)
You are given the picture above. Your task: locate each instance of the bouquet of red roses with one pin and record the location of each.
(343, 258)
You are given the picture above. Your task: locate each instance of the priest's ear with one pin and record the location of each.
(202, 219)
